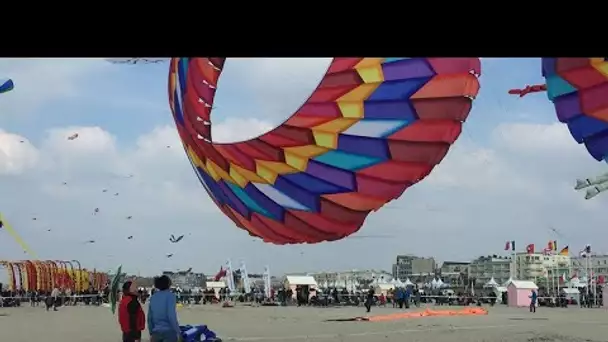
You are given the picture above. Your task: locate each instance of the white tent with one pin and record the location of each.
(508, 282)
(408, 282)
(301, 280)
(394, 282)
(491, 283)
(571, 293)
(437, 283)
(576, 282)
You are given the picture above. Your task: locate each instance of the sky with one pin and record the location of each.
(510, 175)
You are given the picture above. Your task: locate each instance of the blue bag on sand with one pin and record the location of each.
(198, 333)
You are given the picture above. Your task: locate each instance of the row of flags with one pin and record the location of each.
(600, 278)
(550, 249)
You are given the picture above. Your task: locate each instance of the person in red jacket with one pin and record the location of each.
(130, 314)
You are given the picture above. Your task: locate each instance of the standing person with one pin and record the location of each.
(52, 300)
(370, 299)
(162, 314)
(131, 317)
(533, 299)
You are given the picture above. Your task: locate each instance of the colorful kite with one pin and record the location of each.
(371, 129)
(579, 89)
(6, 85)
(4, 225)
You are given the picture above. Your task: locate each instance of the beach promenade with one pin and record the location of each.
(241, 323)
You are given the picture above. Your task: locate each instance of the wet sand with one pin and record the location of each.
(243, 323)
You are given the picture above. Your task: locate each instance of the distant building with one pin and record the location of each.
(596, 263)
(186, 279)
(408, 265)
(455, 273)
(482, 269)
(542, 269)
(455, 267)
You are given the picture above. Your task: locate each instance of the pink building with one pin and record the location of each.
(519, 291)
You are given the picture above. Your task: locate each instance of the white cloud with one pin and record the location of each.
(512, 187)
(16, 153)
(536, 138)
(233, 130)
(278, 86)
(40, 81)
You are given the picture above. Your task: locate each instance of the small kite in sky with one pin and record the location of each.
(137, 60)
(174, 239)
(169, 255)
(129, 217)
(95, 211)
(6, 85)
(73, 136)
(130, 237)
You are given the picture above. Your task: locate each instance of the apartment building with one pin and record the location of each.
(542, 269)
(408, 265)
(482, 269)
(455, 273)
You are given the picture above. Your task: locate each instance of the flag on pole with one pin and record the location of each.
(586, 252)
(530, 248)
(550, 246)
(565, 251)
(547, 251)
(555, 245)
(115, 288)
(219, 275)
(510, 245)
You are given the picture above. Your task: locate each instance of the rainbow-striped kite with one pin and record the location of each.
(579, 89)
(372, 128)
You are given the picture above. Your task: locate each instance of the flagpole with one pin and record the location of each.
(555, 283)
(587, 271)
(593, 283)
(514, 277)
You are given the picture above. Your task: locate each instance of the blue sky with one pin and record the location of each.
(130, 100)
(508, 177)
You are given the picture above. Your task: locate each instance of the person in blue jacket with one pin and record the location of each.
(533, 299)
(162, 313)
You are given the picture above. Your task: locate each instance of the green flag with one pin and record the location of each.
(114, 289)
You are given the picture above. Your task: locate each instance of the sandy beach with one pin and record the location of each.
(242, 323)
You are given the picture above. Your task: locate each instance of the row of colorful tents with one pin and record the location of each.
(44, 275)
